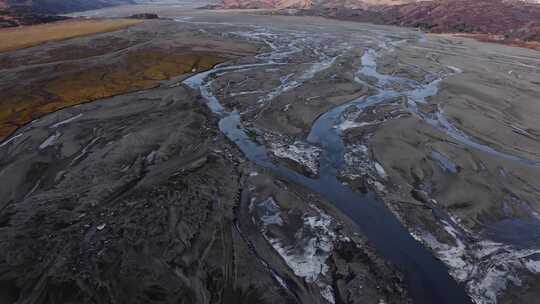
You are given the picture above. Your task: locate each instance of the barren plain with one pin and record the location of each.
(320, 161)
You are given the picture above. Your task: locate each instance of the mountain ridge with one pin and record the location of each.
(352, 4)
(517, 21)
(308, 4)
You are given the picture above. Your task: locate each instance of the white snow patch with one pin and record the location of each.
(456, 70)
(380, 170)
(349, 124)
(357, 161)
(66, 121)
(327, 292)
(533, 266)
(289, 82)
(51, 140)
(487, 268)
(272, 214)
(307, 253)
(280, 281)
(246, 93)
(307, 256)
(151, 157)
(299, 152)
(11, 139)
(85, 150)
(378, 185)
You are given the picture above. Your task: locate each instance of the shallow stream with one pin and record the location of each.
(427, 278)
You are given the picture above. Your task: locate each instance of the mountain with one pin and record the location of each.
(496, 17)
(57, 6)
(265, 4)
(349, 4)
(500, 20)
(307, 4)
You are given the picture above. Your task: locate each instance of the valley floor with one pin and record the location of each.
(321, 162)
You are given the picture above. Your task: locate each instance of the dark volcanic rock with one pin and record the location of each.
(144, 16)
(13, 18)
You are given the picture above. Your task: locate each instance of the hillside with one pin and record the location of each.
(510, 21)
(57, 6)
(264, 4)
(308, 4)
(516, 20)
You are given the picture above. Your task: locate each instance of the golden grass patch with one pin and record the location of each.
(26, 36)
(71, 85)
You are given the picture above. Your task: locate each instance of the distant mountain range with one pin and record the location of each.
(309, 4)
(511, 21)
(57, 6)
(15, 13)
(351, 4)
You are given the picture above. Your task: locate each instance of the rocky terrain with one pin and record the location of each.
(129, 205)
(514, 20)
(307, 4)
(14, 19)
(322, 161)
(517, 21)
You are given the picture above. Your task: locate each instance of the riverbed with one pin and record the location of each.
(426, 144)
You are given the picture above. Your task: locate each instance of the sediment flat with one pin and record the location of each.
(327, 132)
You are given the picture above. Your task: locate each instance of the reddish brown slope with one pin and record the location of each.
(510, 21)
(498, 17)
(282, 4)
(264, 4)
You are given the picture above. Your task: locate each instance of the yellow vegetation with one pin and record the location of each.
(139, 69)
(26, 36)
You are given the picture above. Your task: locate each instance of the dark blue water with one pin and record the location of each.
(427, 278)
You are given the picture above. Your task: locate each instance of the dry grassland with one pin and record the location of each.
(141, 69)
(27, 36)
